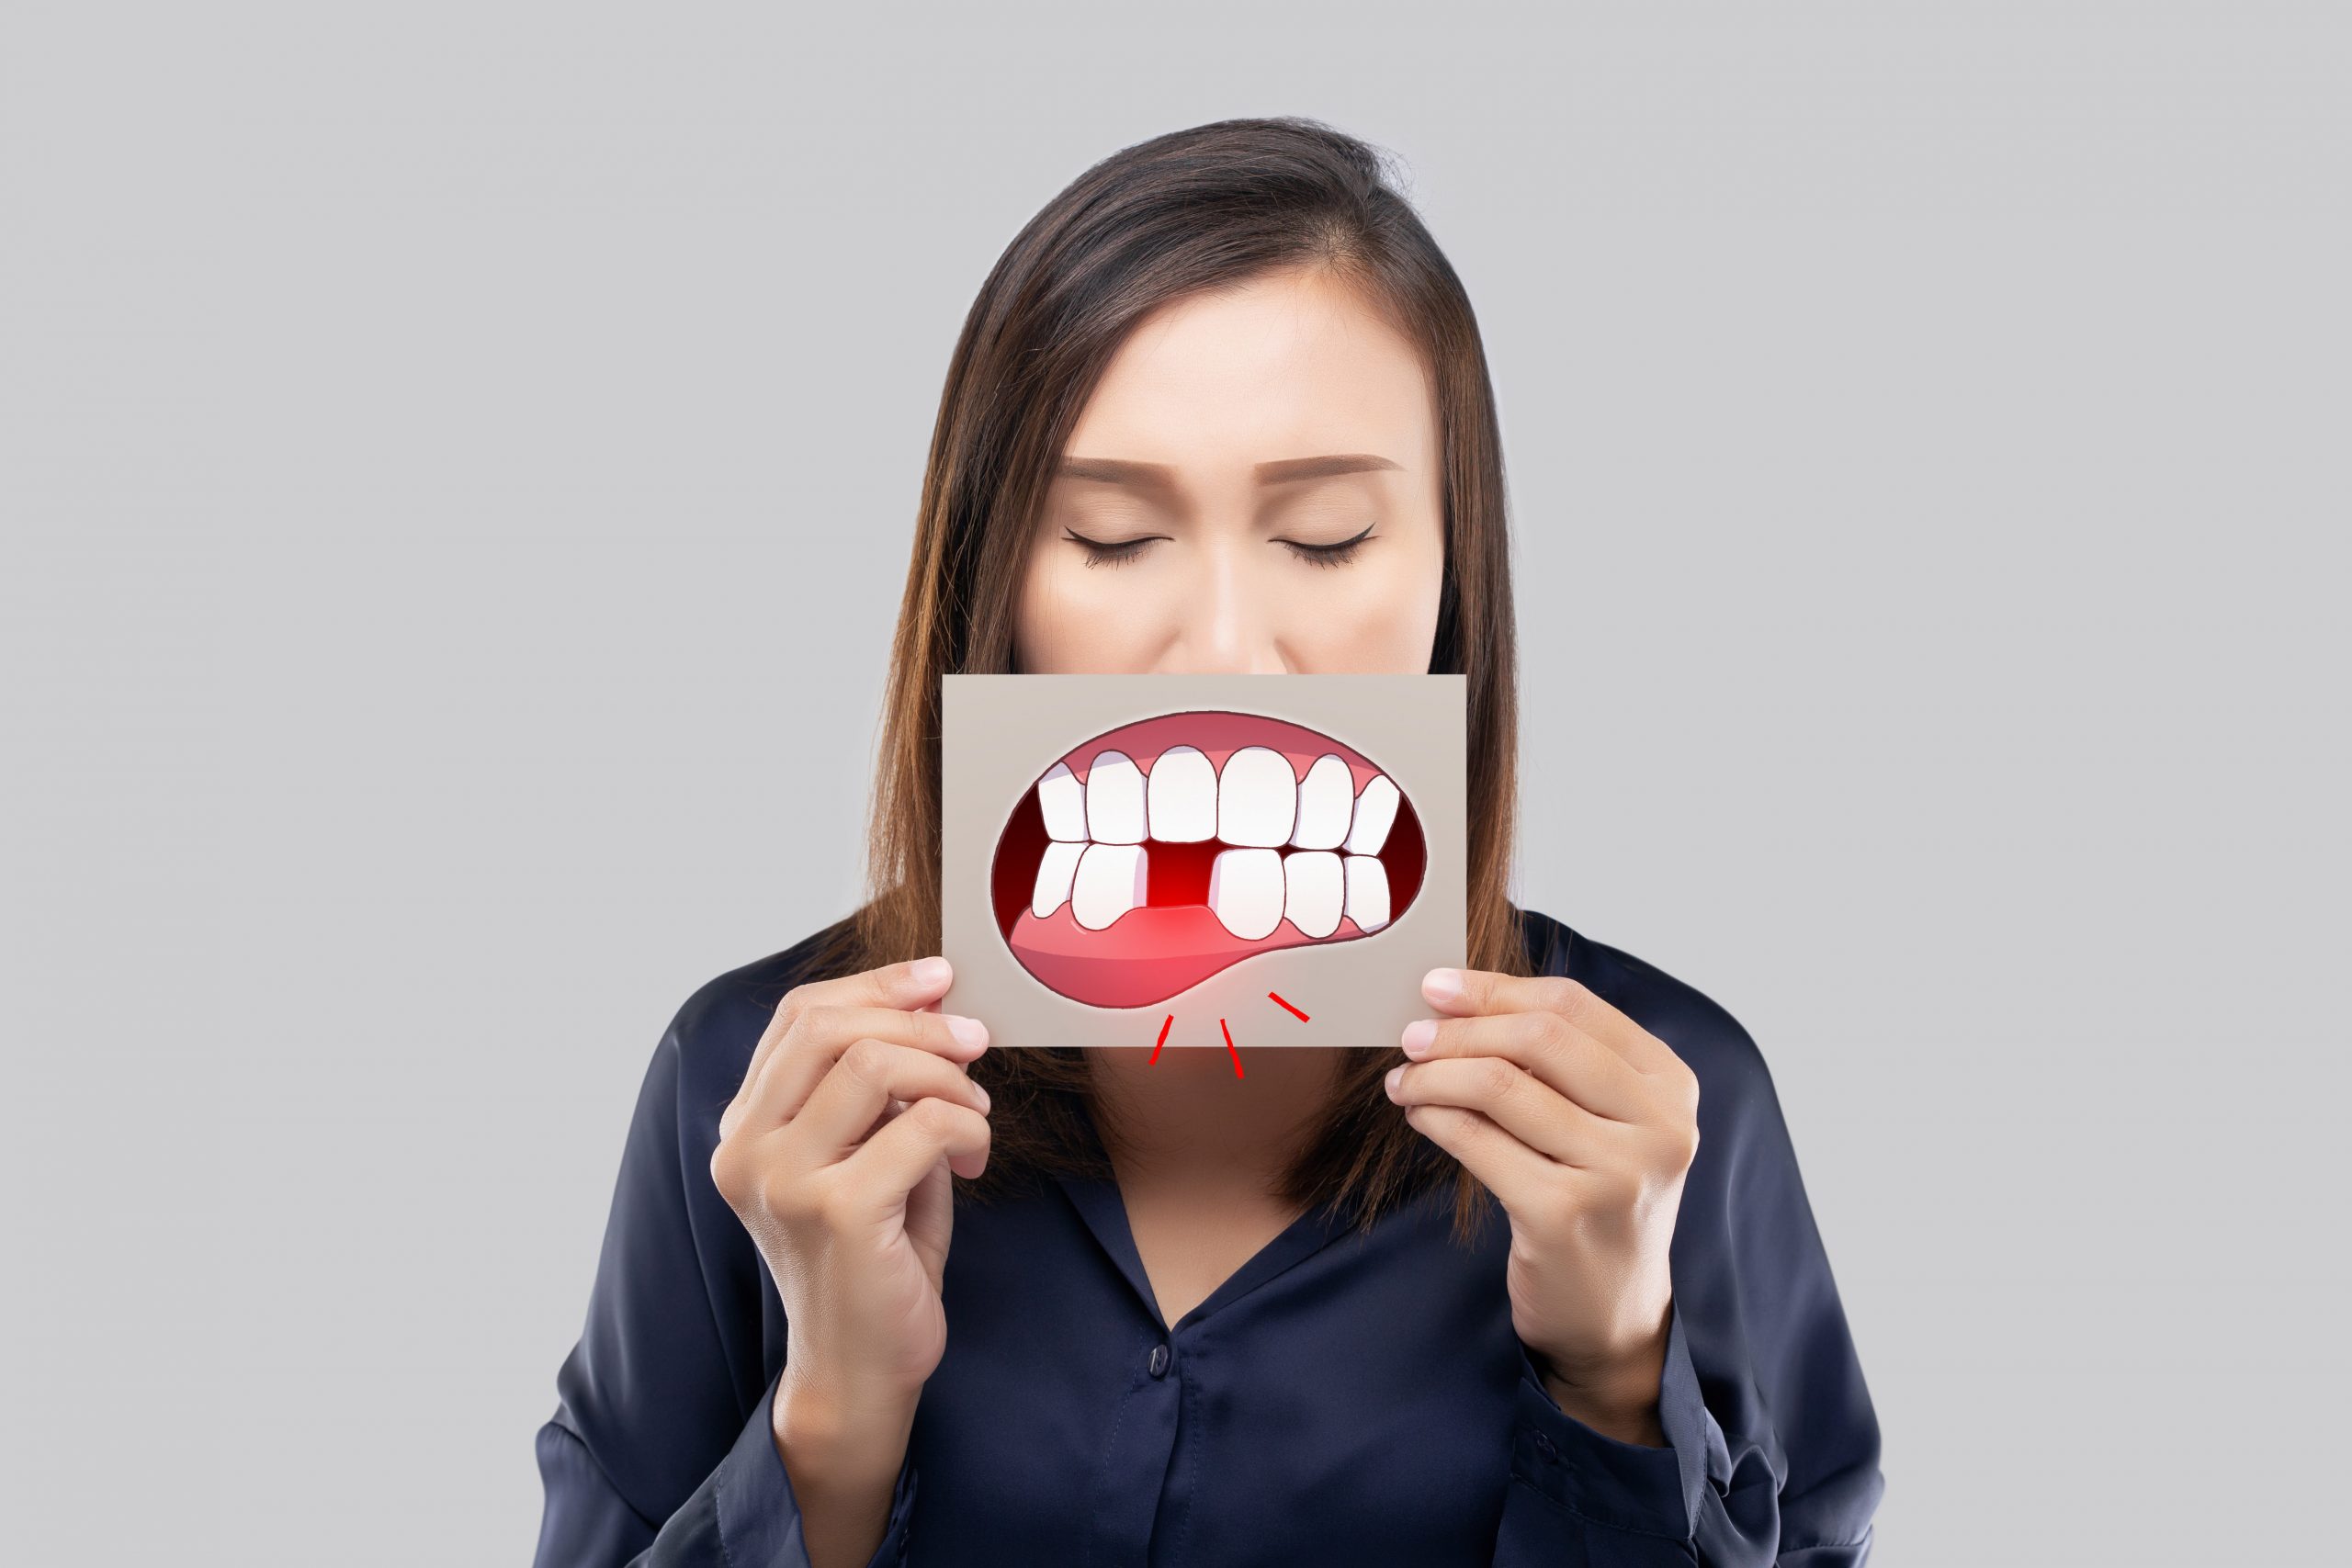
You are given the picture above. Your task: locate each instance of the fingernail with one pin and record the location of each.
(968, 1032)
(983, 1094)
(1441, 985)
(1395, 1075)
(928, 972)
(1419, 1035)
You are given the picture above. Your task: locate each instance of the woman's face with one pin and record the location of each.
(1253, 489)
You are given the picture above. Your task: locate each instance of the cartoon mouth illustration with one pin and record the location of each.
(1159, 853)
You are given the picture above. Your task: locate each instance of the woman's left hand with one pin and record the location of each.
(1582, 1123)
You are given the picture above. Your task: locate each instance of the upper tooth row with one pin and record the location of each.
(1256, 801)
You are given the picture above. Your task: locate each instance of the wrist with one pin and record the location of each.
(1618, 1398)
(831, 1436)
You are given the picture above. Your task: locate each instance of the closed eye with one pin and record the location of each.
(1118, 552)
(1337, 554)
(1110, 552)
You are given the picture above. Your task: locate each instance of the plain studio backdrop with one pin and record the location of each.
(458, 464)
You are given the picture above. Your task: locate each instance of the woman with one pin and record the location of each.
(1221, 406)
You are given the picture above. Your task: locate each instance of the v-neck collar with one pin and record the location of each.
(1104, 1209)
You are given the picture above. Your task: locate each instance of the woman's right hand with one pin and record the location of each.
(835, 1154)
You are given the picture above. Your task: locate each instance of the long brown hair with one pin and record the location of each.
(1200, 209)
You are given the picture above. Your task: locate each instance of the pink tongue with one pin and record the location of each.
(1145, 956)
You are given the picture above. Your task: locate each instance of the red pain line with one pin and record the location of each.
(1230, 1051)
(1290, 1010)
(1163, 1038)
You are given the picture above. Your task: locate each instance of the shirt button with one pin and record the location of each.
(1159, 1360)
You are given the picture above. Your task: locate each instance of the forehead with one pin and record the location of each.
(1281, 365)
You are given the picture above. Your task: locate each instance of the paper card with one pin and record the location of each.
(1134, 860)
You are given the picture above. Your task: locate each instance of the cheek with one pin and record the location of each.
(1376, 617)
(1074, 619)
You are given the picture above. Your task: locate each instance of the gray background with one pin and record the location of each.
(457, 464)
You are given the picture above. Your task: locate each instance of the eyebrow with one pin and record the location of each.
(1158, 475)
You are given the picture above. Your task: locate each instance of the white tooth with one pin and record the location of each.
(1246, 891)
(1109, 882)
(1367, 892)
(1326, 797)
(1182, 796)
(1063, 800)
(1311, 894)
(1257, 799)
(1114, 799)
(1054, 874)
(1375, 809)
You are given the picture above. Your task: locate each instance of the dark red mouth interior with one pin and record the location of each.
(1174, 940)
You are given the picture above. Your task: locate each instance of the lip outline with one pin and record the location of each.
(1146, 980)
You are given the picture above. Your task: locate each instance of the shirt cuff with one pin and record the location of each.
(1624, 1486)
(759, 1518)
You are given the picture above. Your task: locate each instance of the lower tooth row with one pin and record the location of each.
(1249, 890)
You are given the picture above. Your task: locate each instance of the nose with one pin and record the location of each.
(1229, 626)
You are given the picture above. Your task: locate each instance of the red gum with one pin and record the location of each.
(1218, 735)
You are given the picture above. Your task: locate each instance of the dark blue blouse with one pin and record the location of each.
(1343, 1399)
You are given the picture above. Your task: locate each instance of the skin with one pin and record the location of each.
(1167, 546)
(1212, 567)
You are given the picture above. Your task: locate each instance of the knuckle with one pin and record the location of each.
(1552, 1030)
(942, 1115)
(868, 1060)
(1550, 992)
(937, 1118)
(726, 1170)
(1494, 1077)
(1565, 996)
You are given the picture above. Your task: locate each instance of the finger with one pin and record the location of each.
(902, 1154)
(1517, 1175)
(1512, 1098)
(905, 984)
(1465, 992)
(901, 986)
(1562, 1056)
(820, 1034)
(895, 1107)
(858, 1089)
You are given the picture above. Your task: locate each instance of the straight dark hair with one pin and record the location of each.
(1207, 208)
